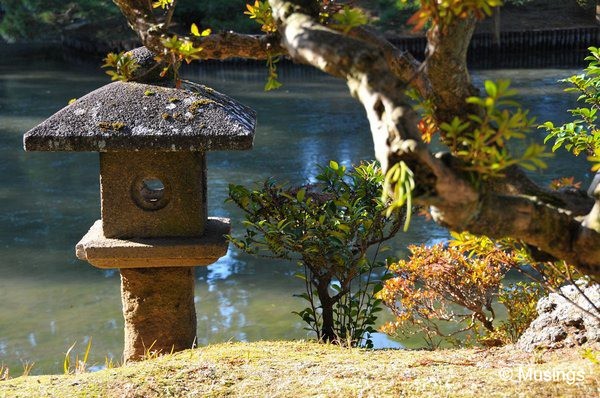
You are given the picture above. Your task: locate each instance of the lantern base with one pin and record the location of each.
(159, 311)
(104, 252)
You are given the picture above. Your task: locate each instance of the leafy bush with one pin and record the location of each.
(26, 19)
(443, 292)
(520, 300)
(453, 293)
(328, 228)
(582, 135)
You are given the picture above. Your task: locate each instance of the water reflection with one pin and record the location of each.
(222, 269)
(49, 200)
(32, 340)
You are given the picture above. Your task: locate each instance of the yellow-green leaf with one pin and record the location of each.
(194, 30)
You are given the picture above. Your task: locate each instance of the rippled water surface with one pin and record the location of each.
(49, 299)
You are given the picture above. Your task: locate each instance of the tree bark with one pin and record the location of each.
(327, 328)
(496, 27)
(446, 69)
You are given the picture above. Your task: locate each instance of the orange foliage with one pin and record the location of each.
(427, 127)
(435, 280)
(442, 12)
(564, 182)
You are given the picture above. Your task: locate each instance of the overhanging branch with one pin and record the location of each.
(377, 75)
(225, 45)
(220, 46)
(455, 202)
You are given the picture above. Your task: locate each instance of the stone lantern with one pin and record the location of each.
(152, 141)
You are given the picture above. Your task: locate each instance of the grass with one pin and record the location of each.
(308, 369)
(80, 366)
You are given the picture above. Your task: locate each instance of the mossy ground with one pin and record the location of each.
(308, 369)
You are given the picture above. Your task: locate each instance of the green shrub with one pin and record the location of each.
(520, 300)
(582, 135)
(328, 228)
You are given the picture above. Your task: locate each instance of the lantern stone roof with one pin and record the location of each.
(130, 116)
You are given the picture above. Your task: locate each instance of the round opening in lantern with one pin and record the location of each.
(152, 190)
(150, 193)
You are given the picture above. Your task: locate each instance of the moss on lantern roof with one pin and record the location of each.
(129, 116)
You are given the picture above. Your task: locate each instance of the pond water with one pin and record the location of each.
(49, 299)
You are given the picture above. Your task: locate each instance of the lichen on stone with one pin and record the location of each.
(198, 103)
(117, 126)
(119, 107)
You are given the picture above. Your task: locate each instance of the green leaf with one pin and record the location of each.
(305, 296)
(194, 30)
(272, 84)
(344, 228)
(491, 88)
(300, 275)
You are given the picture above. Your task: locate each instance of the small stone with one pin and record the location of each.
(148, 70)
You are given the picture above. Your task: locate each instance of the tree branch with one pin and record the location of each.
(551, 229)
(400, 62)
(446, 68)
(377, 75)
(223, 45)
(455, 203)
